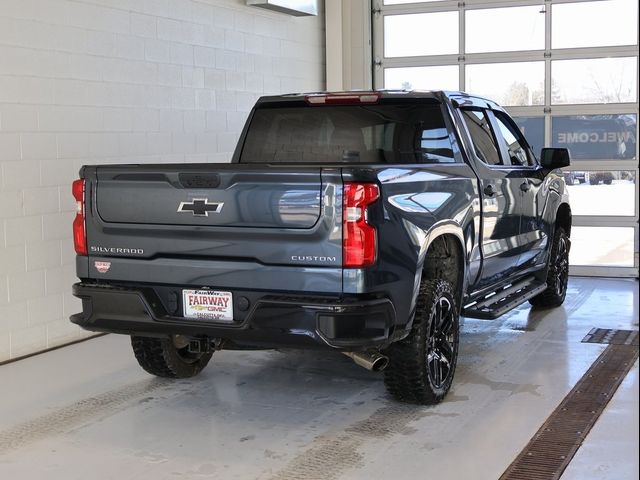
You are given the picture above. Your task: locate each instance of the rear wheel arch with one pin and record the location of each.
(444, 258)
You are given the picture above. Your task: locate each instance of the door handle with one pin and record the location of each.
(525, 186)
(490, 190)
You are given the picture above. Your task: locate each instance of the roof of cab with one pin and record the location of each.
(441, 95)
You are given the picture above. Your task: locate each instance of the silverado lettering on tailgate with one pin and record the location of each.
(130, 251)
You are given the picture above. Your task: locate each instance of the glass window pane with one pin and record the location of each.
(504, 29)
(602, 246)
(509, 84)
(481, 136)
(601, 23)
(533, 130)
(423, 78)
(596, 137)
(399, 2)
(609, 193)
(435, 143)
(421, 34)
(509, 134)
(598, 80)
(384, 133)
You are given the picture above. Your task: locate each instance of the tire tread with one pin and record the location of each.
(405, 377)
(549, 298)
(159, 357)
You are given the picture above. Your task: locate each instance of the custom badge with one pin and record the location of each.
(102, 267)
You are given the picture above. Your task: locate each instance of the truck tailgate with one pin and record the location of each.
(232, 226)
(209, 197)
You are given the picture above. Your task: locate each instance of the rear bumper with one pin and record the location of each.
(350, 323)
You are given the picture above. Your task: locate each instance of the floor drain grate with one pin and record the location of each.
(611, 336)
(556, 442)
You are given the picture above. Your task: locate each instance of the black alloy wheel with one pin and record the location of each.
(422, 365)
(557, 273)
(440, 343)
(562, 267)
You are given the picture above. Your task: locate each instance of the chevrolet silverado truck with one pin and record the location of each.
(360, 222)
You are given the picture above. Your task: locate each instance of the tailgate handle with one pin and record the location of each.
(199, 180)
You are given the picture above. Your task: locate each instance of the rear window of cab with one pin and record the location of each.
(369, 134)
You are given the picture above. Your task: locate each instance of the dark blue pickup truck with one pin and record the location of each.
(363, 222)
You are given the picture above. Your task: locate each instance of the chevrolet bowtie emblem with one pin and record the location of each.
(200, 207)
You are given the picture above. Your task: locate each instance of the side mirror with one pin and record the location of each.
(552, 158)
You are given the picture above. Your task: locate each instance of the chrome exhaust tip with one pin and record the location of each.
(372, 360)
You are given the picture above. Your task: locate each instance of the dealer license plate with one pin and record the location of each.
(207, 305)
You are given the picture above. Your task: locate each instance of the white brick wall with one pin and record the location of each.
(104, 81)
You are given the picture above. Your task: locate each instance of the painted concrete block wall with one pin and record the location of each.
(118, 81)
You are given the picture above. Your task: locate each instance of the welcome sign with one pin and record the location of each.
(596, 137)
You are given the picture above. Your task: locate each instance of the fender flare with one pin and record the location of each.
(438, 229)
(443, 227)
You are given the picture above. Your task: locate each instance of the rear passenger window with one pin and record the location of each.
(519, 153)
(434, 142)
(483, 142)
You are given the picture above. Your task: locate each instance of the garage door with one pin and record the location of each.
(566, 71)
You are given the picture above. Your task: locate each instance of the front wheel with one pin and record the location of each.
(168, 357)
(422, 365)
(558, 273)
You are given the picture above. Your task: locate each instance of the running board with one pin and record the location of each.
(504, 300)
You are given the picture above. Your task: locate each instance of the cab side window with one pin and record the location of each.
(517, 148)
(434, 144)
(481, 135)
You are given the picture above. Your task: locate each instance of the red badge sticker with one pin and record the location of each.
(102, 267)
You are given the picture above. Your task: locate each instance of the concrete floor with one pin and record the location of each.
(88, 411)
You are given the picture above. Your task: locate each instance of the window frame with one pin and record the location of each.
(536, 117)
(520, 137)
(574, 2)
(436, 11)
(458, 151)
(485, 112)
(512, 64)
(495, 6)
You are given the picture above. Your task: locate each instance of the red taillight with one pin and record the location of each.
(359, 242)
(79, 232)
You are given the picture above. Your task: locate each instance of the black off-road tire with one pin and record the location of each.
(412, 374)
(162, 358)
(558, 274)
